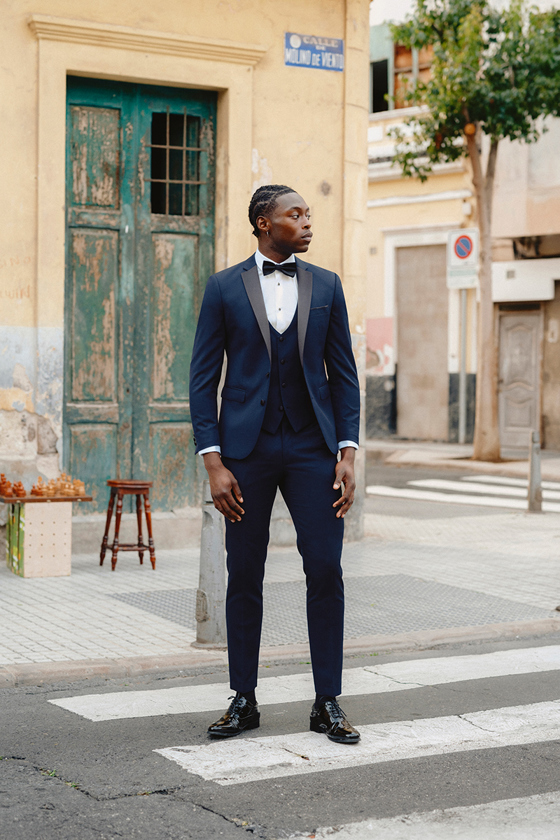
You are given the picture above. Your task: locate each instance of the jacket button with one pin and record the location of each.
(263, 402)
(282, 361)
(281, 408)
(267, 375)
(283, 384)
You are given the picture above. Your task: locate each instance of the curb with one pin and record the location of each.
(39, 673)
(53, 672)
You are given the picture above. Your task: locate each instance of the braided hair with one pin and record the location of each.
(263, 202)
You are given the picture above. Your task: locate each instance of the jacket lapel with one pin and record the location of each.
(254, 293)
(305, 289)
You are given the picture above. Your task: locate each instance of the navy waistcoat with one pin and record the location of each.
(288, 394)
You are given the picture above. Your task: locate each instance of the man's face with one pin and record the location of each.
(289, 225)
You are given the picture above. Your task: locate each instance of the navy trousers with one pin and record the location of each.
(302, 466)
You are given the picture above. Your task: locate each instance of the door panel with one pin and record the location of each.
(95, 152)
(140, 245)
(172, 464)
(93, 453)
(520, 343)
(173, 316)
(422, 314)
(95, 415)
(174, 231)
(92, 351)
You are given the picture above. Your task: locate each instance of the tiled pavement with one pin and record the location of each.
(408, 574)
(509, 555)
(381, 604)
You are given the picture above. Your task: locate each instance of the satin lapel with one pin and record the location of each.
(254, 293)
(305, 289)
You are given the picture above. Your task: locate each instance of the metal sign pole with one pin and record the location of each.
(534, 501)
(463, 370)
(462, 274)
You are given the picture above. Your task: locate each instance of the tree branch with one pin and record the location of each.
(490, 175)
(474, 156)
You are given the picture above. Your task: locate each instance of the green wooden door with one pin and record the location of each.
(140, 230)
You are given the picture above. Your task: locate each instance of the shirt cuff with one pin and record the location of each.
(211, 449)
(343, 443)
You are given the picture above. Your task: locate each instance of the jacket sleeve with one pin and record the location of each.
(341, 370)
(206, 368)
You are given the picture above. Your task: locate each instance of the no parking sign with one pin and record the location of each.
(462, 258)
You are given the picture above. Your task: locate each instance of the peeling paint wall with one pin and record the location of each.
(30, 402)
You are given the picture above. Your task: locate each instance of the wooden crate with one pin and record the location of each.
(39, 536)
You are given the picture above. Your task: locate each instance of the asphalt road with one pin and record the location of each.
(67, 777)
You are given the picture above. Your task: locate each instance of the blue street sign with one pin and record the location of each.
(463, 247)
(312, 51)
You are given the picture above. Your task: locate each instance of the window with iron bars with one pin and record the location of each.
(175, 164)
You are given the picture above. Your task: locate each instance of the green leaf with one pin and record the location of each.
(498, 69)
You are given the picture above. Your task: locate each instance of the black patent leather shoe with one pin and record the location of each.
(240, 716)
(329, 719)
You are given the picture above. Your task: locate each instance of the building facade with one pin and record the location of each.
(134, 137)
(414, 322)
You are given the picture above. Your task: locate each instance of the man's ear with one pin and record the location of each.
(262, 224)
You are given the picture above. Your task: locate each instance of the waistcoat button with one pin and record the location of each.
(263, 402)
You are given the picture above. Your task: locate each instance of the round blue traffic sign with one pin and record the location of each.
(463, 246)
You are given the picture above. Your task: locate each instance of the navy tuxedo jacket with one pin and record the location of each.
(233, 320)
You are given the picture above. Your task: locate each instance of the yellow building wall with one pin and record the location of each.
(276, 124)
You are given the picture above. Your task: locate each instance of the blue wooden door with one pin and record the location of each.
(140, 230)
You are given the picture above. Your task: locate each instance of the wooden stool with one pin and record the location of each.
(129, 487)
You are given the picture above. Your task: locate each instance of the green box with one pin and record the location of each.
(15, 537)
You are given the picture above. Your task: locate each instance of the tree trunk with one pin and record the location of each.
(486, 429)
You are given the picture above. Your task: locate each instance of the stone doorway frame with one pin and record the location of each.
(104, 51)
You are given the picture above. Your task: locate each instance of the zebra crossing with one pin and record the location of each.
(482, 490)
(259, 757)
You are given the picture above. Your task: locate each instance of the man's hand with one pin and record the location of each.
(224, 488)
(344, 474)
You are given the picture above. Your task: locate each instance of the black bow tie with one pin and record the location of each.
(286, 268)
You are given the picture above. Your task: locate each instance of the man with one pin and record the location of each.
(284, 328)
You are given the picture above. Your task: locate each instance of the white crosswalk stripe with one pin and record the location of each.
(511, 482)
(480, 487)
(393, 676)
(535, 817)
(486, 491)
(276, 756)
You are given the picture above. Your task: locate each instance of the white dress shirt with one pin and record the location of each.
(280, 293)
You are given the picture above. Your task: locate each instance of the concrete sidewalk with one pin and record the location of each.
(413, 582)
(458, 457)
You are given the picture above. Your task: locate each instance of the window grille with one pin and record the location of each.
(175, 164)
